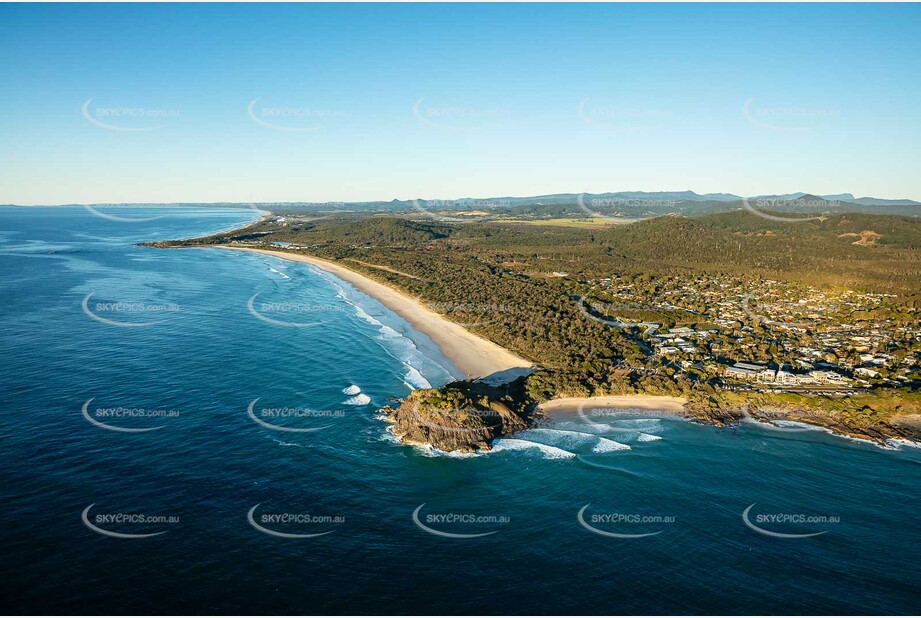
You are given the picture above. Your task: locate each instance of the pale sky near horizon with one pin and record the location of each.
(282, 103)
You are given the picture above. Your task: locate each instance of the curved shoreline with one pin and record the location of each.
(569, 405)
(473, 355)
(263, 215)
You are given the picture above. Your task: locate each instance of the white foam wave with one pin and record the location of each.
(625, 434)
(609, 446)
(357, 400)
(278, 272)
(407, 351)
(351, 390)
(796, 424)
(283, 443)
(515, 444)
(394, 342)
(549, 431)
(364, 315)
(430, 451)
(781, 424)
(389, 333)
(589, 428)
(639, 422)
(896, 442)
(562, 438)
(427, 450)
(414, 379)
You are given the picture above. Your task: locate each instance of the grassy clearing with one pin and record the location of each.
(583, 222)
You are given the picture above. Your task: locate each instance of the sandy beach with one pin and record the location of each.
(644, 402)
(475, 356)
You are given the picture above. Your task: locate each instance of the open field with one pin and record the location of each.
(578, 222)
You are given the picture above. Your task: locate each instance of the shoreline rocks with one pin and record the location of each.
(464, 416)
(467, 416)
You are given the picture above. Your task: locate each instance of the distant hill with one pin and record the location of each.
(626, 204)
(849, 197)
(645, 204)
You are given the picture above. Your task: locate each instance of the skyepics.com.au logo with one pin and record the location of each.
(290, 308)
(130, 314)
(622, 209)
(459, 211)
(787, 525)
(110, 417)
(125, 207)
(621, 118)
(124, 525)
(130, 119)
(308, 206)
(787, 118)
(770, 207)
(599, 418)
(458, 524)
(292, 119)
(597, 312)
(293, 525)
(624, 524)
(93, 209)
(468, 314)
(480, 421)
(454, 118)
(292, 419)
(589, 310)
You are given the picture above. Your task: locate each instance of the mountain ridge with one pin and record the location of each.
(586, 201)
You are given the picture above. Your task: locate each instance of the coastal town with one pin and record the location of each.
(588, 319)
(767, 335)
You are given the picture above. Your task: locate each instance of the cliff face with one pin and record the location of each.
(875, 430)
(468, 416)
(462, 416)
(711, 411)
(856, 422)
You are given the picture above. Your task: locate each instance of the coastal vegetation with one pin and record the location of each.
(586, 302)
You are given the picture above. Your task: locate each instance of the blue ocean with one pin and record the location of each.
(198, 431)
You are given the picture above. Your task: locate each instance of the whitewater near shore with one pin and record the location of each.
(475, 356)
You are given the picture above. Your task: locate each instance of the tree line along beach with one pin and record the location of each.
(408, 264)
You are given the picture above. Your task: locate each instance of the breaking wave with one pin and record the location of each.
(515, 444)
(609, 446)
(414, 379)
(395, 343)
(278, 272)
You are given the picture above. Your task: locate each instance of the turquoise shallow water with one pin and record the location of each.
(190, 341)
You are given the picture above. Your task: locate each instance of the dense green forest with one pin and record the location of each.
(518, 284)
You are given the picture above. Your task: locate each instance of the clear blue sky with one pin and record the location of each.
(515, 100)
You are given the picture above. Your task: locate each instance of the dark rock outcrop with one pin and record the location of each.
(863, 424)
(462, 416)
(713, 412)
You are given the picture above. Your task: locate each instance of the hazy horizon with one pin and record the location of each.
(457, 198)
(346, 103)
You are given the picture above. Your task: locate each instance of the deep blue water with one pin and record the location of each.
(195, 359)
